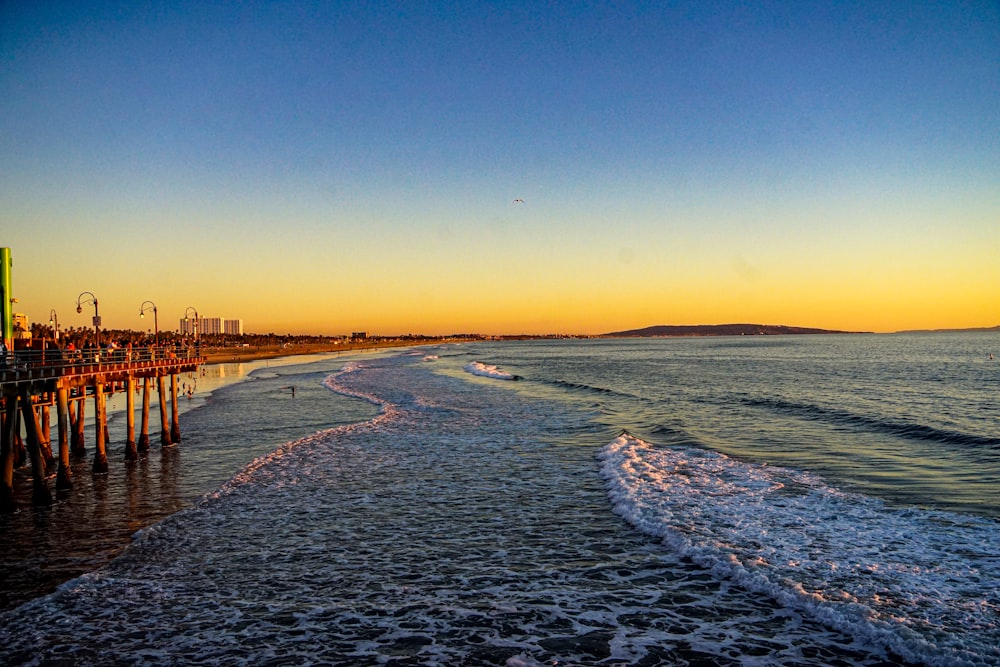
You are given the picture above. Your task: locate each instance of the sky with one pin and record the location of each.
(330, 167)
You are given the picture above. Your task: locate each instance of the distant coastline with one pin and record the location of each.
(664, 330)
(995, 329)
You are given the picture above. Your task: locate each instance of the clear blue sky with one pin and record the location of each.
(329, 167)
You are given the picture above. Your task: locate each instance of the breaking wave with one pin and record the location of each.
(486, 370)
(912, 582)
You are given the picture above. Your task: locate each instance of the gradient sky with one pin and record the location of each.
(335, 167)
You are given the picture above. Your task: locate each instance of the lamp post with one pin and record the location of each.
(143, 309)
(189, 309)
(97, 317)
(54, 323)
(195, 323)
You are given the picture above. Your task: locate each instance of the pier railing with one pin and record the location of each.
(21, 365)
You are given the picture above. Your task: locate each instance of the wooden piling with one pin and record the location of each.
(20, 451)
(10, 426)
(175, 424)
(164, 424)
(40, 415)
(64, 476)
(72, 417)
(131, 454)
(100, 421)
(78, 447)
(143, 445)
(47, 435)
(40, 494)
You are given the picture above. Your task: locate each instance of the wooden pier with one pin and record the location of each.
(32, 382)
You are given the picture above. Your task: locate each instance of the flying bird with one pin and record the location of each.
(517, 201)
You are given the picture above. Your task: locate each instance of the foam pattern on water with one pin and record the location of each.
(922, 584)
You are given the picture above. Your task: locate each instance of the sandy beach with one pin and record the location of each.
(217, 355)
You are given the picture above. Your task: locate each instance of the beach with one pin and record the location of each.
(219, 355)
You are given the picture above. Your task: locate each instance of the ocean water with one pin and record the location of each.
(814, 500)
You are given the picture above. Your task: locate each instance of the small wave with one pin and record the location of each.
(485, 370)
(602, 391)
(675, 436)
(886, 577)
(892, 427)
(576, 386)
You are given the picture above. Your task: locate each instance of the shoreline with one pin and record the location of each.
(230, 355)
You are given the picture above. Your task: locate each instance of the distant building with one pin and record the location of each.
(359, 335)
(209, 326)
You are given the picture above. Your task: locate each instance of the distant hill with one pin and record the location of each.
(970, 330)
(720, 330)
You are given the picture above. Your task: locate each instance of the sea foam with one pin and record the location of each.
(884, 576)
(486, 370)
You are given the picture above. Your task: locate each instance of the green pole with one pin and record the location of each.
(5, 304)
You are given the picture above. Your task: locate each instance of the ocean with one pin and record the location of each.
(792, 500)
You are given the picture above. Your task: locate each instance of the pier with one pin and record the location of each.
(34, 381)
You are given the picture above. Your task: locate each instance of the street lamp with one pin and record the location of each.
(192, 309)
(54, 323)
(97, 317)
(156, 322)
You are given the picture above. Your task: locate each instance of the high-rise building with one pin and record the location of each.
(211, 326)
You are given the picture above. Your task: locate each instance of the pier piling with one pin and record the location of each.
(79, 449)
(100, 416)
(46, 423)
(64, 476)
(40, 494)
(40, 417)
(164, 425)
(175, 425)
(143, 444)
(7, 453)
(131, 453)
